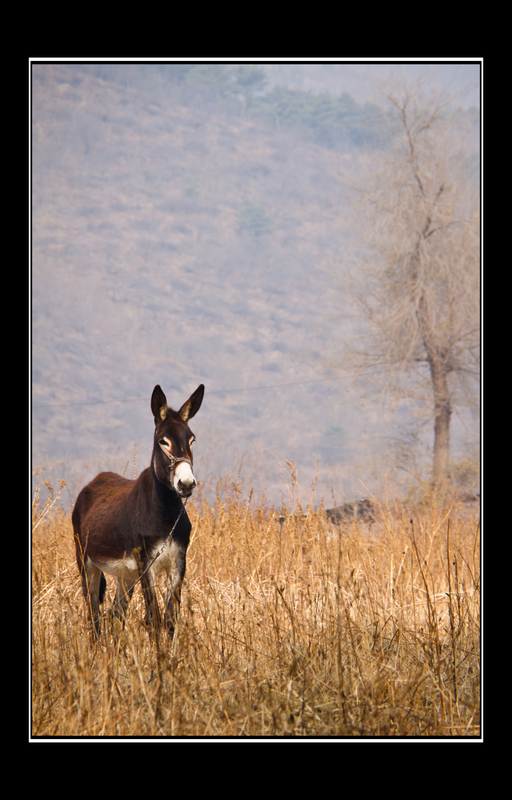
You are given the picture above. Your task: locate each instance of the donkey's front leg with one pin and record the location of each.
(122, 599)
(146, 581)
(176, 573)
(172, 608)
(153, 617)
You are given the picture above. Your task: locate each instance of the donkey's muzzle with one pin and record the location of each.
(184, 481)
(186, 489)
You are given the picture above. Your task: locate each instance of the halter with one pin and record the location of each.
(173, 462)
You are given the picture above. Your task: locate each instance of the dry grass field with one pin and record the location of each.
(298, 629)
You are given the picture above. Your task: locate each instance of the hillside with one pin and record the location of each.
(176, 244)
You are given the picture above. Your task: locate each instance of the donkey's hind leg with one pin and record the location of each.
(93, 587)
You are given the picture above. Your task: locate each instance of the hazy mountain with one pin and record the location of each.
(176, 240)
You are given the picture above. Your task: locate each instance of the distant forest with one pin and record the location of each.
(330, 121)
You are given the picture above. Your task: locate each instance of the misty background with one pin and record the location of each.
(188, 222)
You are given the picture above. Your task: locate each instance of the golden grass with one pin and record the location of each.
(299, 629)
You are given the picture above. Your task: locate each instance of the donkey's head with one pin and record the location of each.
(172, 451)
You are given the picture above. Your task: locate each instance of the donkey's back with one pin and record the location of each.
(107, 497)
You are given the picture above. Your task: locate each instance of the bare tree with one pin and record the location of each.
(418, 281)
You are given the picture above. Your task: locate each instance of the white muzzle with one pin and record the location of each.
(183, 479)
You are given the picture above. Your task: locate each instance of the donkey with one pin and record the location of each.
(136, 529)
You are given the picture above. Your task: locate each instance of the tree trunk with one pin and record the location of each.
(442, 412)
(438, 359)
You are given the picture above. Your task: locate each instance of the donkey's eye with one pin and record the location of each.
(192, 440)
(164, 442)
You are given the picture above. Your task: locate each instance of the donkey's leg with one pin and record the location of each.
(93, 587)
(152, 611)
(148, 592)
(93, 579)
(176, 573)
(124, 592)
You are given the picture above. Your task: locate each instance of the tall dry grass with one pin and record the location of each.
(292, 629)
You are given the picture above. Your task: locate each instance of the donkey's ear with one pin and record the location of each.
(158, 404)
(193, 404)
